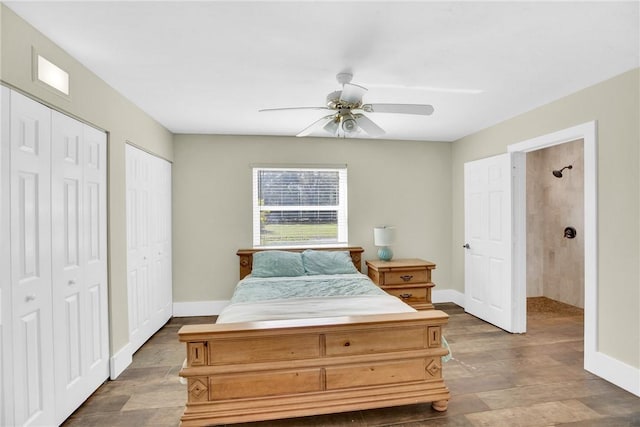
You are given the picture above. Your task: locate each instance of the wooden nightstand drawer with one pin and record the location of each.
(405, 277)
(408, 295)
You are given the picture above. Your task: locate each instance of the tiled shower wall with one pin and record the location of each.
(555, 264)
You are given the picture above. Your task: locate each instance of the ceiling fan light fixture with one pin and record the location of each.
(349, 124)
(332, 126)
(346, 106)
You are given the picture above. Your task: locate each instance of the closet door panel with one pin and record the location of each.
(79, 263)
(54, 277)
(95, 249)
(148, 244)
(31, 399)
(161, 241)
(6, 357)
(166, 251)
(71, 325)
(96, 324)
(31, 261)
(69, 307)
(138, 248)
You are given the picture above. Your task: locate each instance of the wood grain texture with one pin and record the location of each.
(254, 371)
(280, 369)
(407, 279)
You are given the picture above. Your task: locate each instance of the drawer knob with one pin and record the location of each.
(406, 277)
(347, 344)
(405, 296)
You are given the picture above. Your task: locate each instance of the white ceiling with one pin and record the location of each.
(208, 66)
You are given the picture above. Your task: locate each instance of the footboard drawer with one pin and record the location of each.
(375, 341)
(292, 347)
(264, 384)
(376, 374)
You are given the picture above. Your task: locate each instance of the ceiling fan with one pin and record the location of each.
(347, 111)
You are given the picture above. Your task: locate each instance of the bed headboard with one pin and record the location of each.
(246, 257)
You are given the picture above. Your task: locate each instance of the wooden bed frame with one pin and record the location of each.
(254, 371)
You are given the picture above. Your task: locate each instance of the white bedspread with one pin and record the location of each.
(299, 308)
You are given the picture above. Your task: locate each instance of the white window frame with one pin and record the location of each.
(341, 209)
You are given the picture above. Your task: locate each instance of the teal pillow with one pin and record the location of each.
(327, 262)
(277, 264)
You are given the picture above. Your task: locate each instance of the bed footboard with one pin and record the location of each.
(240, 372)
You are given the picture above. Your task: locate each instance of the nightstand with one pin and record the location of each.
(407, 279)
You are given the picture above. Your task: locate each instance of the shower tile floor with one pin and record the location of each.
(495, 378)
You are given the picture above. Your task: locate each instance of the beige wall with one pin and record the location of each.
(416, 186)
(401, 183)
(94, 102)
(615, 105)
(555, 264)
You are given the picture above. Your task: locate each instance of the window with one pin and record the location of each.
(299, 206)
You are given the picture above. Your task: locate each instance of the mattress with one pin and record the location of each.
(278, 298)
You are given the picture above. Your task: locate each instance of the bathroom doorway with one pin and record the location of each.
(555, 229)
(594, 361)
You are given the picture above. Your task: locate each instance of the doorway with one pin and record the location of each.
(555, 227)
(593, 360)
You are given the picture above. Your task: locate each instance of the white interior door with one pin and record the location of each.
(148, 244)
(69, 305)
(53, 268)
(31, 262)
(488, 240)
(96, 323)
(138, 247)
(6, 381)
(160, 251)
(79, 267)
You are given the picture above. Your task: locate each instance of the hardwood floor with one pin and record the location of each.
(495, 378)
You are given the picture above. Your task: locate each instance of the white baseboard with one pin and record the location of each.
(616, 372)
(119, 361)
(448, 295)
(198, 308)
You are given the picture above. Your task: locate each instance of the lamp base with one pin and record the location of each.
(385, 253)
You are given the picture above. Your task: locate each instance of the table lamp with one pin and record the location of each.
(383, 237)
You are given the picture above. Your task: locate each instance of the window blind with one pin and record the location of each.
(299, 207)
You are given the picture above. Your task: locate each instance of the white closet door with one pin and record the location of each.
(160, 220)
(95, 267)
(31, 262)
(138, 247)
(6, 345)
(78, 262)
(148, 244)
(68, 252)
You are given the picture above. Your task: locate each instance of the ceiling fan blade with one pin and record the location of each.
(293, 108)
(320, 123)
(420, 109)
(369, 126)
(352, 94)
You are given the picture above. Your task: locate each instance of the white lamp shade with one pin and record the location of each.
(383, 236)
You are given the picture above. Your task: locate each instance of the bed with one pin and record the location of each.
(281, 354)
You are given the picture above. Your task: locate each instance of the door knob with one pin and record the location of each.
(466, 246)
